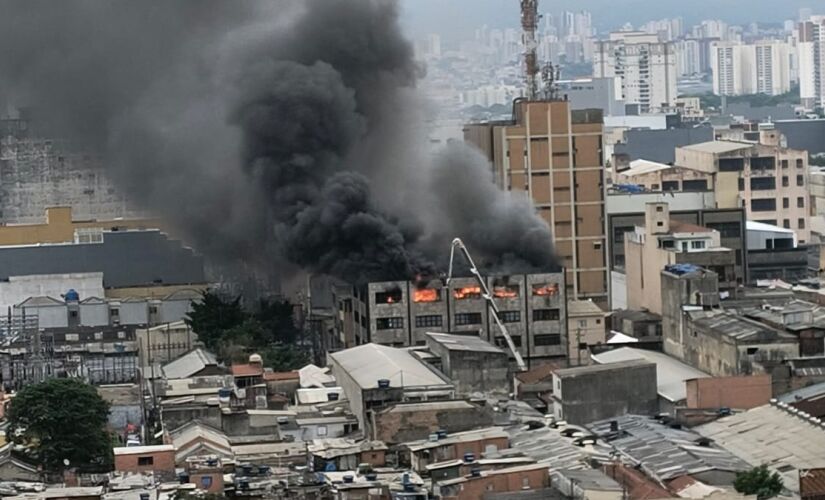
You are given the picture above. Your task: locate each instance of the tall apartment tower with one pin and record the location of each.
(811, 51)
(758, 68)
(554, 156)
(643, 66)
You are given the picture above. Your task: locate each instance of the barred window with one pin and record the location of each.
(545, 314)
(462, 319)
(510, 316)
(428, 320)
(389, 323)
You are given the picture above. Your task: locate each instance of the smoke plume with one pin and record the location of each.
(266, 132)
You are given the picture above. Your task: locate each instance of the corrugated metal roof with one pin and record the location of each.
(369, 363)
(664, 452)
(472, 343)
(771, 435)
(189, 364)
(812, 391)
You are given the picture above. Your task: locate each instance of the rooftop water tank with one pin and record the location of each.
(71, 295)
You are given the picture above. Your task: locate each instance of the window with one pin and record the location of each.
(153, 309)
(206, 482)
(428, 320)
(763, 183)
(800, 202)
(388, 323)
(502, 342)
(88, 235)
(321, 430)
(145, 461)
(800, 163)
(583, 323)
(800, 180)
(510, 316)
(731, 164)
(73, 314)
(765, 205)
(388, 297)
(752, 350)
(668, 243)
(547, 289)
(785, 181)
(545, 315)
(726, 229)
(741, 184)
(800, 223)
(697, 245)
(545, 340)
(654, 187)
(695, 185)
(786, 202)
(670, 185)
(597, 245)
(763, 163)
(786, 223)
(784, 163)
(463, 319)
(659, 208)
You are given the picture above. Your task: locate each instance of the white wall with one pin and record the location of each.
(20, 288)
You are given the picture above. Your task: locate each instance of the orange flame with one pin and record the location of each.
(467, 292)
(544, 290)
(426, 295)
(505, 292)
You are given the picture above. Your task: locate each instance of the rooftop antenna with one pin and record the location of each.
(529, 25)
(550, 74)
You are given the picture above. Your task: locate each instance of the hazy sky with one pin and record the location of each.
(462, 16)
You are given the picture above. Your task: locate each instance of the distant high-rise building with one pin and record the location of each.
(811, 53)
(758, 68)
(553, 155)
(643, 66)
(689, 57)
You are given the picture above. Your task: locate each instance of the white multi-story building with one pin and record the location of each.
(644, 67)
(758, 68)
(811, 53)
(689, 57)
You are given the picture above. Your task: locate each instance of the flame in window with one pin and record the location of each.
(467, 292)
(505, 292)
(426, 295)
(546, 290)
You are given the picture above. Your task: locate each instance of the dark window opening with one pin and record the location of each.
(428, 320)
(389, 297)
(146, 460)
(510, 316)
(463, 319)
(546, 315)
(545, 340)
(763, 183)
(764, 205)
(731, 164)
(389, 323)
(763, 163)
(695, 185)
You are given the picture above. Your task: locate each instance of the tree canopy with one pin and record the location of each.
(61, 419)
(758, 481)
(233, 333)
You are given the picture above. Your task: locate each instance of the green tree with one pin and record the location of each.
(61, 419)
(758, 481)
(283, 357)
(212, 316)
(278, 318)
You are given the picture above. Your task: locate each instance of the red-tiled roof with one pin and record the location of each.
(638, 486)
(274, 376)
(686, 227)
(539, 373)
(247, 370)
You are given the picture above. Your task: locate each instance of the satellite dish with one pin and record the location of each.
(66, 462)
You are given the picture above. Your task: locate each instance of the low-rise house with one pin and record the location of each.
(159, 459)
(588, 393)
(776, 435)
(671, 374)
(510, 480)
(206, 473)
(346, 454)
(665, 451)
(587, 483)
(402, 422)
(196, 363)
(14, 469)
(473, 365)
(586, 326)
(195, 439)
(125, 406)
(442, 446)
(452, 469)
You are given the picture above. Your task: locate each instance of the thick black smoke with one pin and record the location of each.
(267, 132)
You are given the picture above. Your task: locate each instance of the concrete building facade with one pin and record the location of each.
(589, 393)
(661, 243)
(532, 307)
(769, 181)
(761, 67)
(553, 156)
(586, 326)
(643, 66)
(811, 53)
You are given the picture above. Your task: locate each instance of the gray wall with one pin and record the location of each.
(660, 145)
(129, 258)
(592, 93)
(804, 134)
(597, 394)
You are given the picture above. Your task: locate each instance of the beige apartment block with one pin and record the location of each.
(585, 327)
(769, 181)
(554, 156)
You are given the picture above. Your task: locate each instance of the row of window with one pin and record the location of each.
(538, 340)
(468, 292)
(464, 319)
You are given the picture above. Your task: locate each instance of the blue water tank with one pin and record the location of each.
(72, 295)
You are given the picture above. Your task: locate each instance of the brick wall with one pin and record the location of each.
(159, 461)
(729, 392)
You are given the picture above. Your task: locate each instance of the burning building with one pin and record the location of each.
(532, 307)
